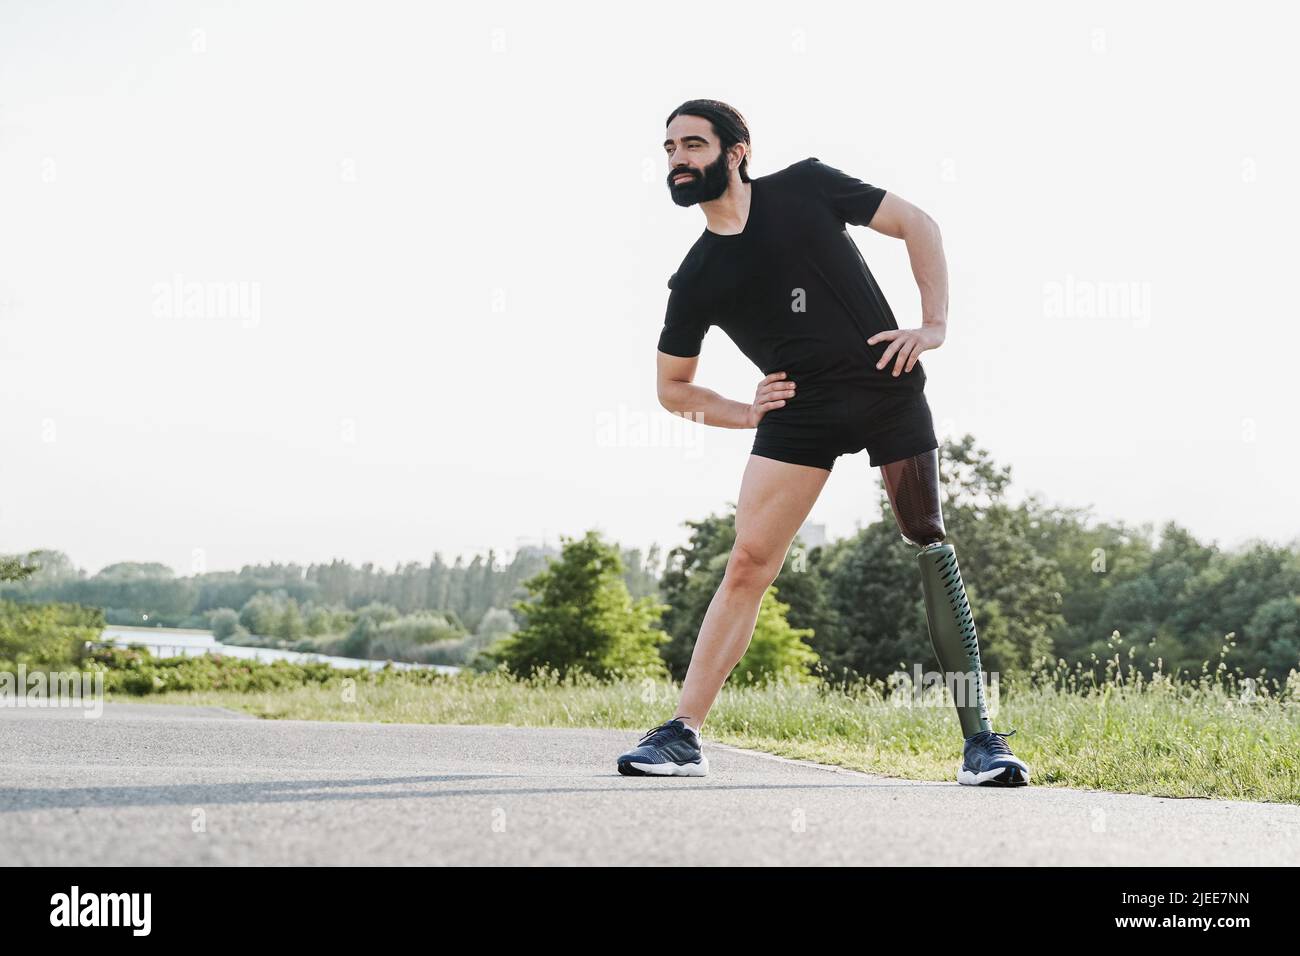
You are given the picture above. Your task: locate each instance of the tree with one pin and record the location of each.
(694, 572)
(690, 578)
(1015, 592)
(583, 619)
(1275, 631)
(225, 624)
(260, 615)
(873, 586)
(135, 571)
(13, 568)
(41, 567)
(290, 625)
(369, 620)
(776, 648)
(496, 624)
(46, 635)
(320, 621)
(1099, 564)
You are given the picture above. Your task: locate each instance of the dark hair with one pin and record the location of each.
(729, 126)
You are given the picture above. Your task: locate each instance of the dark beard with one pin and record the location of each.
(704, 188)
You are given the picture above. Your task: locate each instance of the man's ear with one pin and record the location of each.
(744, 151)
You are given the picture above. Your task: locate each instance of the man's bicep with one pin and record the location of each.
(893, 216)
(675, 368)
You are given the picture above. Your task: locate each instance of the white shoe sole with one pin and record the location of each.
(671, 769)
(1006, 776)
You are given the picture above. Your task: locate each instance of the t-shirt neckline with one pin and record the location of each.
(749, 221)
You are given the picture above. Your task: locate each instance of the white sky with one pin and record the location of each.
(451, 227)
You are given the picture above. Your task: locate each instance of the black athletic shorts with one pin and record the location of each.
(890, 426)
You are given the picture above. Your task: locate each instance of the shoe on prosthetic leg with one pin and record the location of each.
(986, 758)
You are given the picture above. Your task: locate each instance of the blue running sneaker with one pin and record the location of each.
(671, 749)
(987, 761)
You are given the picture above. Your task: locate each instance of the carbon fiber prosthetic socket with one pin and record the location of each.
(912, 485)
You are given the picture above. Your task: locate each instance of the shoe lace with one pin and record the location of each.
(997, 742)
(654, 732)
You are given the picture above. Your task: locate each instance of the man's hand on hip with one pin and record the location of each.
(906, 346)
(772, 393)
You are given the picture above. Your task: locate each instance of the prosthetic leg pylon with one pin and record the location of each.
(952, 634)
(986, 759)
(913, 488)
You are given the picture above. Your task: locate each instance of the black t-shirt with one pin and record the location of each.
(792, 289)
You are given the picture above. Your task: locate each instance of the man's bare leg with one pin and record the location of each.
(775, 498)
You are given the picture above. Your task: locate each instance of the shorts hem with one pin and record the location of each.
(791, 459)
(899, 449)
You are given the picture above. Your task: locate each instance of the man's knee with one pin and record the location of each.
(750, 566)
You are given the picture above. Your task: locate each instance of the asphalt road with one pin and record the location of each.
(153, 784)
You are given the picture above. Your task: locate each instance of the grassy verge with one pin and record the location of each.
(1194, 739)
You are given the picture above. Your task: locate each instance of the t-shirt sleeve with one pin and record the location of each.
(852, 200)
(684, 324)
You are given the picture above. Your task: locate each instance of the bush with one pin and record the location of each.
(47, 635)
(133, 670)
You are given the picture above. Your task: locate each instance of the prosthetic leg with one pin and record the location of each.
(912, 485)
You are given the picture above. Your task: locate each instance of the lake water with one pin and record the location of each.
(186, 642)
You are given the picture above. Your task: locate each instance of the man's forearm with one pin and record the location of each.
(704, 405)
(930, 268)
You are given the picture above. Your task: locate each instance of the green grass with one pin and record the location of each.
(1167, 738)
